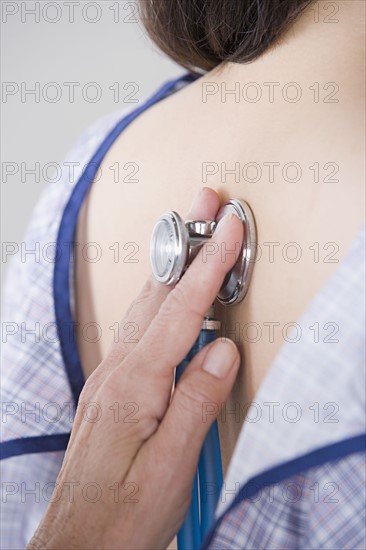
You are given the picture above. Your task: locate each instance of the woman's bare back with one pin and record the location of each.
(286, 134)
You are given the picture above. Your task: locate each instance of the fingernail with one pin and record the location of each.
(221, 357)
(197, 198)
(224, 220)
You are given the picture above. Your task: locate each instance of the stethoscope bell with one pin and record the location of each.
(175, 243)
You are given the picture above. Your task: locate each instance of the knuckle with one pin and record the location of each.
(150, 289)
(191, 397)
(141, 427)
(178, 303)
(147, 292)
(90, 387)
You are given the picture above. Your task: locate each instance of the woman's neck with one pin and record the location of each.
(326, 44)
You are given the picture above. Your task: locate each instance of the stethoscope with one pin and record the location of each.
(174, 245)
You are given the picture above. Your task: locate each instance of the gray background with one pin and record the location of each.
(112, 49)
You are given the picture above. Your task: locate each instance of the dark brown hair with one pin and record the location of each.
(203, 33)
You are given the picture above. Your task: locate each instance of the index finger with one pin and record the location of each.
(146, 305)
(178, 322)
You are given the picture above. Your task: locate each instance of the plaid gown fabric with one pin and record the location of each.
(320, 508)
(37, 401)
(297, 475)
(295, 479)
(41, 372)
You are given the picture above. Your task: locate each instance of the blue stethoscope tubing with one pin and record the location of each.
(208, 479)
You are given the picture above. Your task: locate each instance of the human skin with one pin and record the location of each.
(170, 144)
(157, 455)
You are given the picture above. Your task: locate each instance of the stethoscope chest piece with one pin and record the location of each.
(236, 283)
(175, 243)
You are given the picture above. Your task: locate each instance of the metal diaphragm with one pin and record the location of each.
(175, 243)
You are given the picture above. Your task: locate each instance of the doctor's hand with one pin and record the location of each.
(127, 476)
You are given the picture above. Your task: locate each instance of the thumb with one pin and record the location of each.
(196, 403)
(167, 462)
